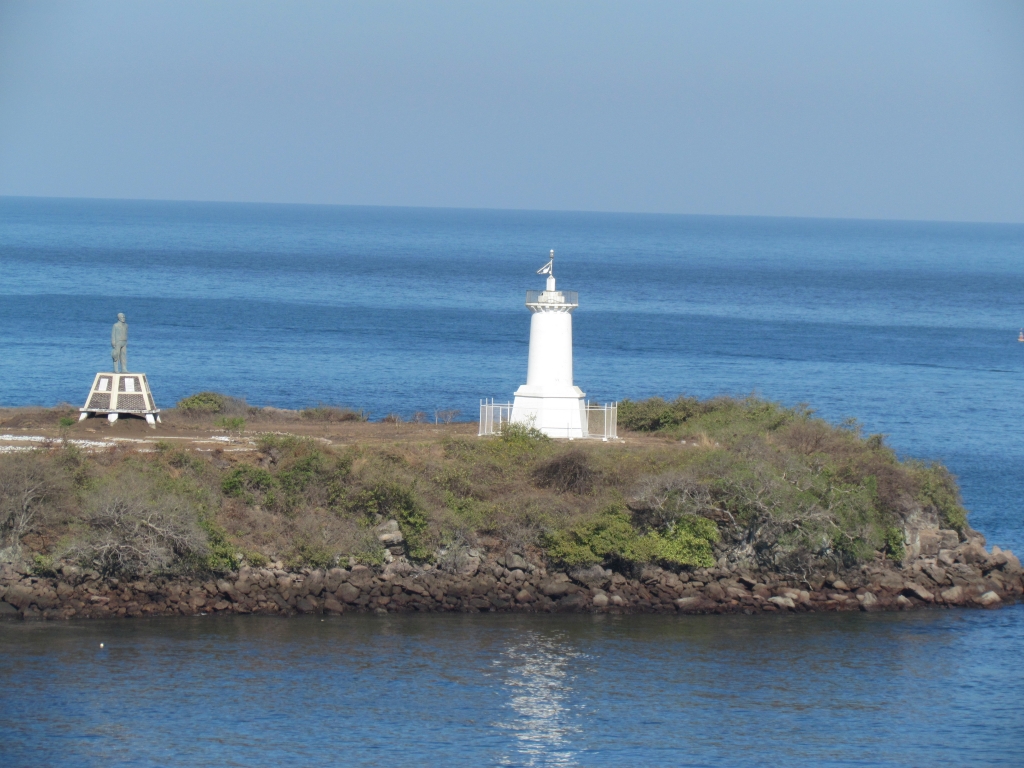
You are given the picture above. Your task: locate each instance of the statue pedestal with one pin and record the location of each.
(115, 394)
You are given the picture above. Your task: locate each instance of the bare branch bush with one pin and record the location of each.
(31, 488)
(454, 556)
(570, 472)
(130, 530)
(447, 416)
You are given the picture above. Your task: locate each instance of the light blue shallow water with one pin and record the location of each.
(909, 327)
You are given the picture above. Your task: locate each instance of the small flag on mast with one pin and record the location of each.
(549, 268)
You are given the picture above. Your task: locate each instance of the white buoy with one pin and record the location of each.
(549, 400)
(101, 645)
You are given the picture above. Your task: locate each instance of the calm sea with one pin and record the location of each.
(909, 327)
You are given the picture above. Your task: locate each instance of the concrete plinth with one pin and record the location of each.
(121, 394)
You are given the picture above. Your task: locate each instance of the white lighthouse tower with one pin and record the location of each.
(549, 400)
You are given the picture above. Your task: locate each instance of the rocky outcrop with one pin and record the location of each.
(964, 574)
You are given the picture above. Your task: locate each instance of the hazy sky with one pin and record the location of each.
(857, 109)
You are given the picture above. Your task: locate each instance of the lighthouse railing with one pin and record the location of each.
(569, 298)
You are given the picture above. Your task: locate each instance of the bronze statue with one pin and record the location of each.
(119, 344)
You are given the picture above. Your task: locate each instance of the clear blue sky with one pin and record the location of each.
(911, 110)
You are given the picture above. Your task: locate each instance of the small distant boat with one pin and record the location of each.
(1020, 336)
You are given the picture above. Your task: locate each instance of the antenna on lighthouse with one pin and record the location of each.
(549, 270)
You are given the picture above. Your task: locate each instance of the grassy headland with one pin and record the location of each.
(743, 483)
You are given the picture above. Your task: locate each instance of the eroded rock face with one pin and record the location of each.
(958, 574)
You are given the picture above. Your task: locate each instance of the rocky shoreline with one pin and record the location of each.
(966, 575)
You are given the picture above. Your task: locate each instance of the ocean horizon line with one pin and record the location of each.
(488, 209)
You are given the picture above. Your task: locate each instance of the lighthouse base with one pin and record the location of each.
(557, 414)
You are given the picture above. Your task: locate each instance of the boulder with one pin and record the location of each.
(514, 560)
(19, 595)
(953, 595)
(936, 574)
(1005, 560)
(971, 553)
(988, 600)
(397, 569)
(948, 539)
(227, 588)
(8, 611)
(360, 576)
(783, 602)
(904, 602)
(555, 588)
(524, 596)
(315, 582)
(333, 606)
(347, 592)
(687, 603)
(307, 605)
(573, 602)
(600, 600)
(840, 585)
(946, 557)
(714, 591)
(930, 542)
(594, 576)
(334, 579)
(916, 590)
(867, 600)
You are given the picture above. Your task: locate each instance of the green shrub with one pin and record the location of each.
(391, 500)
(895, 545)
(655, 413)
(612, 537)
(605, 538)
(222, 556)
(42, 565)
(247, 481)
(231, 423)
(202, 403)
(314, 556)
(938, 488)
(516, 434)
(255, 559)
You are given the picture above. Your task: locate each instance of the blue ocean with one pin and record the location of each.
(908, 327)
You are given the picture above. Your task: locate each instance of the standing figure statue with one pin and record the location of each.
(119, 344)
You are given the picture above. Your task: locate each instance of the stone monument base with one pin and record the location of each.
(117, 394)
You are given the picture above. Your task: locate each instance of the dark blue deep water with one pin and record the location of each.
(909, 327)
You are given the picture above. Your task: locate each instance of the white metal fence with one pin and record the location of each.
(601, 422)
(492, 416)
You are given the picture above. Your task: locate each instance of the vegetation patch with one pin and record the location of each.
(742, 479)
(612, 538)
(202, 403)
(329, 414)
